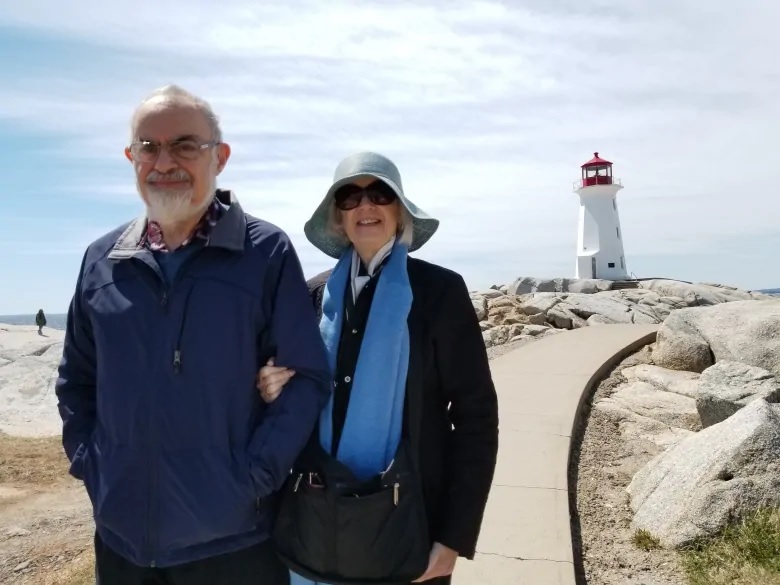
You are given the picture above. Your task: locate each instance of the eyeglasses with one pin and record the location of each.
(147, 151)
(349, 196)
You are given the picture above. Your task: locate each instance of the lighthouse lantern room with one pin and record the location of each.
(599, 240)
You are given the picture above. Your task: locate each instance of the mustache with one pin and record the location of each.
(177, 175)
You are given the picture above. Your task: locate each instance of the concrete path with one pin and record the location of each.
(526, 534)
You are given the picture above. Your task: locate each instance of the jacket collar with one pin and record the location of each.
(228, 233)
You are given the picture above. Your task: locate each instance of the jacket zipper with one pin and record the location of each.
(177, 353)
(151, 510)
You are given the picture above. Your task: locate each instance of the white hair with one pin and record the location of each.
(404, 233)
(175, 94)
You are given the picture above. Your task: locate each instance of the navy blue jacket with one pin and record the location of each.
(156, 388)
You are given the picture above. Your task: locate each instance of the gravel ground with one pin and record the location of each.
(601, 470)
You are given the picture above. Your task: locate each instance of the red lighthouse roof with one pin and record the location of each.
(596, 161)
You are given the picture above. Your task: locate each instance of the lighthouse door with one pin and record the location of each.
(593, 266)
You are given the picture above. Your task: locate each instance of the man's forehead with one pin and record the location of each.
(162, 120)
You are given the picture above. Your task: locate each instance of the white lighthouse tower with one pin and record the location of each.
(600, 241)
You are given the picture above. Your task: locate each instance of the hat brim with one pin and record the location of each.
(317, 232)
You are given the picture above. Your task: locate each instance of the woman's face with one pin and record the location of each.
(369, 226)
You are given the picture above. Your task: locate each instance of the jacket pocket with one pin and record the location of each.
(84, 467)
(122, 487)
(204, 495)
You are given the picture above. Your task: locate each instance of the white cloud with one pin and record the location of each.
(487, 107)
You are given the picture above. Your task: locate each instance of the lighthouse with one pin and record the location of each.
(599, 241)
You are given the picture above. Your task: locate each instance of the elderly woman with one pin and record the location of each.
(393, 485)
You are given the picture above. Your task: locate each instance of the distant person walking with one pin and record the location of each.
(40, 321)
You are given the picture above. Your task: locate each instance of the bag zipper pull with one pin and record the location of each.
(396, 493)
(298, 482)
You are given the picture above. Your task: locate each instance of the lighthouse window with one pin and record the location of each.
(611, 264)
(622, 263)
(617, 229)
(614, 205)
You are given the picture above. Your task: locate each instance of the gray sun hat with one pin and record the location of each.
(355, 166)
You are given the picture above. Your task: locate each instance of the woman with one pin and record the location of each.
(413, 399)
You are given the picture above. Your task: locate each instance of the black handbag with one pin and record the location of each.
(332, 528)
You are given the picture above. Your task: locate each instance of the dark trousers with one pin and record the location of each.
(257, 565)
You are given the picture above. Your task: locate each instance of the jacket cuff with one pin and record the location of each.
(77, 463)
(463, 546)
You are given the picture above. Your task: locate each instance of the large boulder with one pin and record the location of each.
(675, 381)
(710, 479)
(480, 307)
(563, 318)
(589, 285)
(540, 303)
(728, 386)
(700, 294)
(610, 308)
(647, 400)
(743, 331)
(529, 284)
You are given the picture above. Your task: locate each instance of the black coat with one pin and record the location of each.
(459, 436)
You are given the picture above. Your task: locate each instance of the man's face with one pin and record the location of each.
(175, 177)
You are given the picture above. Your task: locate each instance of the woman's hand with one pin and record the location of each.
(271, 380)
(440, 564)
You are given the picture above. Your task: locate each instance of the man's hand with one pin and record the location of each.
(440, 564)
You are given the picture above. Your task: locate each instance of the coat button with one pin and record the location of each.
(347, 379)
(354, 331)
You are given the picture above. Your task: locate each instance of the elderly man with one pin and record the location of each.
(172, 316)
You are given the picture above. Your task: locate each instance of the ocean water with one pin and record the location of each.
(53, 321)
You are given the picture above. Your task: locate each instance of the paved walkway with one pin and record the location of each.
(526, 535)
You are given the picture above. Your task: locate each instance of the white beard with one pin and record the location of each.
(171, 206)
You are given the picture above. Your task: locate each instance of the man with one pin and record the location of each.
(172, 317)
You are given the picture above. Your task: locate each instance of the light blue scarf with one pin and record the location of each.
(372, 429)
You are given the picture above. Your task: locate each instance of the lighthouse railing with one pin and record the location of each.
(577, 185)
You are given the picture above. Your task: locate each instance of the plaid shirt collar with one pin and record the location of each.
(154, 240)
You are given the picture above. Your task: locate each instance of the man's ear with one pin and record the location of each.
(127, 154)
(223, 154)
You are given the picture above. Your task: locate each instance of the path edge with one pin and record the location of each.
(579, 425)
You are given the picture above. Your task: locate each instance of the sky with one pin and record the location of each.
(488, 109)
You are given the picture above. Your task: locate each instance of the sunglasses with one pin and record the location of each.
(349, 196)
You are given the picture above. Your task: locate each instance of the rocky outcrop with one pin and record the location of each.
(653, 405)
(711, 478)
(528, 284)
(562, 303)
(703, 411)
(741, 331)
(728, 386)
(28, 367)
(646, 400)
(676, 382)
(701, 294)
